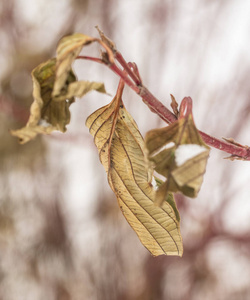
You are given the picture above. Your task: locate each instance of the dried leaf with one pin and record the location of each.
(174, 105)
(46, 113)
(68, 49)
(80, 88)
(120, 147)
(178, 153)
(106, 40)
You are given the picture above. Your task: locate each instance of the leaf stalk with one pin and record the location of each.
(132, 79)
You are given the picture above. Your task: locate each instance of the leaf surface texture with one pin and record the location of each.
(48, 113)
(121, 151)
(178, 153)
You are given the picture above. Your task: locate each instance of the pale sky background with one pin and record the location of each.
(197, 49)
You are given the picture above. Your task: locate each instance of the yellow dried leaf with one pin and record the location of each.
(80, 88)
(68, 49)
(120, 147)
(174, 105)
(48, 114)
(106, 40)
(178, 153)
(45, 114)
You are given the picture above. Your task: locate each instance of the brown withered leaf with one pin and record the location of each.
(46, 113)
(178, 153)
(68, 49)
(106, 40)
(174, 106)
(80, 88)
(120, 147)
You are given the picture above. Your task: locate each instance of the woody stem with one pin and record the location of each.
(134, 82)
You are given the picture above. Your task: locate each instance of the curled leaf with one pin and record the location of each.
(120, 147)
(80, 88)
(174, 106)
(178, 153)
(106, 40)
(68, 49)
(48, 114)
(45, 115)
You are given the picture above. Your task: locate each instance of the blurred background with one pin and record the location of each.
(62, 235)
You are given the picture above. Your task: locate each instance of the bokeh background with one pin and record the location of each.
(62, 235)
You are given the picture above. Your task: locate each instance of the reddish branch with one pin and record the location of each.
(132, 78)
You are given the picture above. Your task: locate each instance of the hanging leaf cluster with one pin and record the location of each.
(54, 89)
(176, 152)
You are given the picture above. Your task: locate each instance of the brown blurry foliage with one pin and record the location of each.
(49, 252)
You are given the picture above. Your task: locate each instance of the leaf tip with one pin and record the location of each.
(174, 104)
(107, 41)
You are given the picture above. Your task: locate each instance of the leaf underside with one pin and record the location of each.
(178, 153)
(67, 50)
(120, 147)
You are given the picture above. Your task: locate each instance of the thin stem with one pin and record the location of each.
(235, 150)
(95, 59)
(124, 77)
(186, 107)
(127, 68)
(156, 106)
(238, 150)
(134, 67)
(162, 111)
(115, 69)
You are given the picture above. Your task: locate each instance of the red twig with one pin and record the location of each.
(132, 79)
(124, 77)
(127, 68)
(156, 106)
(186, 107)
(95, 59)
(235, 150)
